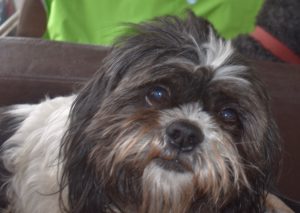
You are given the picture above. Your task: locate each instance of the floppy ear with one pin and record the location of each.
(85, 193)
(89, 98)
(77, 174)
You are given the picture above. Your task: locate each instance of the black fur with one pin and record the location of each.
(103, 103)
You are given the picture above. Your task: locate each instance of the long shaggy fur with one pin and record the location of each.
(106, 149)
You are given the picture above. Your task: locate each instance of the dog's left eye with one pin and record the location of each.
(229, 115)
(157, 96)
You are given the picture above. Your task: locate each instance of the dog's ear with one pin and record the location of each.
(78, 173)
(89, 98)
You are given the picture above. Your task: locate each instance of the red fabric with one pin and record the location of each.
(275, 46)
(10, 8)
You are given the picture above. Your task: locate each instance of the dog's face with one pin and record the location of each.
(174, 122)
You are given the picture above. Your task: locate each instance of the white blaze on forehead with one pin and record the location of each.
(231, 73)
(216, 53)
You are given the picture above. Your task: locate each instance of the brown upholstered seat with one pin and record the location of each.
(33, 68)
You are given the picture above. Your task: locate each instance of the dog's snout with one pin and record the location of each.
(184, 135)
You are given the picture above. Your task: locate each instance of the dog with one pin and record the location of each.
(174, 121)
(276, 36)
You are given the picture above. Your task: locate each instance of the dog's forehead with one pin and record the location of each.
(164, 50)
(215, 65)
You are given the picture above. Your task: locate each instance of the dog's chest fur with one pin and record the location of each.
(32, 154)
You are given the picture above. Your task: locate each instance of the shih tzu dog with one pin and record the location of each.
(174, 122)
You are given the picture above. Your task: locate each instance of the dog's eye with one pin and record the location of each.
(158, 95)
(229, 115)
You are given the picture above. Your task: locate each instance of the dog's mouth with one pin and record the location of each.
(175, 165)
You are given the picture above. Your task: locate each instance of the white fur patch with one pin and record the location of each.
(231, 73)
(31, 155)
(216, 53)
(166, 191)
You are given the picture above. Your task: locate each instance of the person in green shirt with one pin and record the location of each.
(101, 21)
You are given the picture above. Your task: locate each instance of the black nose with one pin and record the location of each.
(184, 135)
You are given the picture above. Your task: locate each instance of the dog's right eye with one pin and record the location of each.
(158, 96)
(229, 116)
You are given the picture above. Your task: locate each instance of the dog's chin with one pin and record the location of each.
(173, 165)
(178, 163)
(167, 185)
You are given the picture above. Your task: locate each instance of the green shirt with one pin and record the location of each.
(100, 21)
